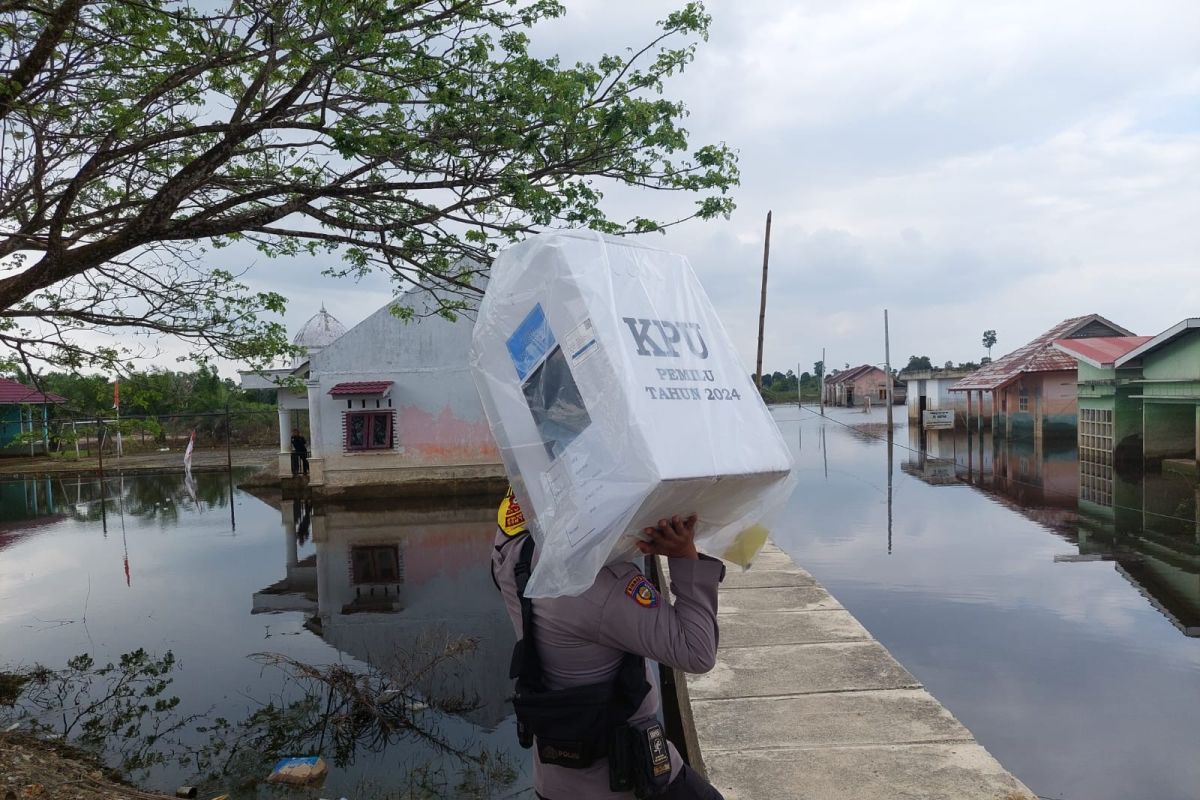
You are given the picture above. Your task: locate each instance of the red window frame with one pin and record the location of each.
(372, 417)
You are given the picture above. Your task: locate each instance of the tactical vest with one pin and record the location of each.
(572, 727)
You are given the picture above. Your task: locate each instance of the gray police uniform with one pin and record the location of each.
(582, 640)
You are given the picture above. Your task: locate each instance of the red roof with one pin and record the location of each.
(360, 387)
(1101, 351)
(13, 393)
(1039, 355)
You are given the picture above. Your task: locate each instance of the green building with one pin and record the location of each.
(1139, 406)
(1139, 403)
(1109, 427)
(1168, 388)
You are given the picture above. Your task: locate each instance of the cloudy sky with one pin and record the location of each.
(965, 165)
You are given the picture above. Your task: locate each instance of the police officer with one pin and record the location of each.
(589, 640)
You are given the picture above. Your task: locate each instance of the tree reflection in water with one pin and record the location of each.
(124, 714)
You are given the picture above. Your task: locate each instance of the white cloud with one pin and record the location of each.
(966, 165)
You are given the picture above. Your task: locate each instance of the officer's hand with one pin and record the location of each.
(673, 538)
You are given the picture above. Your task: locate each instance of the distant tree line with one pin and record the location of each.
(153, 392)
(917, 363)
(782, 387)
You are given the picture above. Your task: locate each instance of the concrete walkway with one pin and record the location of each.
(804, 703)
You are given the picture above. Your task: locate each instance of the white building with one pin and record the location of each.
(389, 401)
(929, 390)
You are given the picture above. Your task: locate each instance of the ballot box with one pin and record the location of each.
(616, 398)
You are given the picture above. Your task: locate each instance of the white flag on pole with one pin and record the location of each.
(187, 454)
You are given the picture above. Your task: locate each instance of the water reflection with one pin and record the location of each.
(1145, 521)
(1069, 674)
(377, 590)
(161, 496)
(382, 583)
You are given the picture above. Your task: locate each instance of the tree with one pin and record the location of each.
(919, 362)
(989, 339)
(413, 136)
(819, 369)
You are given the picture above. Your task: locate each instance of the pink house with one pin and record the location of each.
(1034, 388)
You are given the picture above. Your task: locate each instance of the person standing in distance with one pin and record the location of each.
(594, 641)
(299, 453)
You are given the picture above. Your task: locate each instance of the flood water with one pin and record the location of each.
(1063, 631)
(403, 595)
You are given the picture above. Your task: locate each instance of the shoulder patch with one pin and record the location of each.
(510, 518)
(641, 592)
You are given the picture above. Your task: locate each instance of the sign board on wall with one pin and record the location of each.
(939, 420)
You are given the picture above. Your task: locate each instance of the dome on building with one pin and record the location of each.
(320, 331)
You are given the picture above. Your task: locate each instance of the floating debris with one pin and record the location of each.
(298, 771)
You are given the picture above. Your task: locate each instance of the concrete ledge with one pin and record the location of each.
(826, 720)
(957, 771)
(804, 703)
(766, 579)
(801, 669)
(753, 630)
(776, 598)
(1181, 466)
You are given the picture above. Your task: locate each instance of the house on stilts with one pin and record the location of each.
(1033, 389)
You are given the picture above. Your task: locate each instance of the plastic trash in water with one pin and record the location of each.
(298, 770)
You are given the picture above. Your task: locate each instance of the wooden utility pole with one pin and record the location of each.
(762, 308)
(887, 367)
(821, 381)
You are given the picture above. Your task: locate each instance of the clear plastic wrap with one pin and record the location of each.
(617, 399)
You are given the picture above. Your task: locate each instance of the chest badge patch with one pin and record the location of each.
(641, 592)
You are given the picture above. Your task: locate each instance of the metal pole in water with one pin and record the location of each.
(229, 464)
(103, 488)
(824, 452)
(889, 490)
(887, 367)
(821, 381)
(100, 446)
